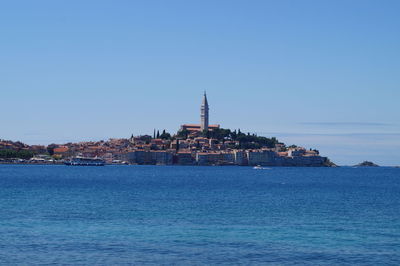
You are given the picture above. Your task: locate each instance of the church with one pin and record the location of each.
(204, 125)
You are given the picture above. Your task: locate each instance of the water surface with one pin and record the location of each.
(199, 215)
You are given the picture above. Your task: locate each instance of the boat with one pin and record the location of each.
(259, 167)
(85, 161)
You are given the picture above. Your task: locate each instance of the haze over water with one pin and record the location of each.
(199, 215)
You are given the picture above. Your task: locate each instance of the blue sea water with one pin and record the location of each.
(117, 215)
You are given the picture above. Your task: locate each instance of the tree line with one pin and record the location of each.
(245, 140)
(21, 154)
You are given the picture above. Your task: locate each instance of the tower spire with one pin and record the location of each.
(204, 113)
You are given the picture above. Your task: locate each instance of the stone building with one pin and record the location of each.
(204, 120)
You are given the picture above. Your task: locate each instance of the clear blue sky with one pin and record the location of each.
(322, 74)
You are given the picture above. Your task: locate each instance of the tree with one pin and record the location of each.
(233, 135)
(165, 135)
(145, 138)
(22, 154)
(183, 133)
(50, 148)
(158, 134)
(206, 133)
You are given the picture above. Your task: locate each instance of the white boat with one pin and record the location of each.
(257, 167)
(85, 161)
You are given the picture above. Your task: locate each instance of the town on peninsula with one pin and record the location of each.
(193, 144)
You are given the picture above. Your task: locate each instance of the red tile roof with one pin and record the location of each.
(61, 149)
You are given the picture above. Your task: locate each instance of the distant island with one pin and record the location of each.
(367, 164)
(193, 144)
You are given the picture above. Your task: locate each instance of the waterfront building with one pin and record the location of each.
(260, 157)
(62, 152)
(161, 157)
(130, 157)
(149, 157)
(240, 157)
(296, 152)
(184, 158)
(108, 157)
(306, 160)
(202, 158)
(141, 157)
(215, 158)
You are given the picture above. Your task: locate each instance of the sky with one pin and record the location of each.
(319, 74)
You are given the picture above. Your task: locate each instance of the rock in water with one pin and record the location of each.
(368, 164)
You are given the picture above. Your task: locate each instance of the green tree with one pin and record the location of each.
(183, 133)
(165, 135)
(50, 148)
(22, 154)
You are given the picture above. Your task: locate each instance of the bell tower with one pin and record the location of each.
(204, 113)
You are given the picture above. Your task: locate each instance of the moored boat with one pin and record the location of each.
(85, 161)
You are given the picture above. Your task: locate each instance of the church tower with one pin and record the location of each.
(204, 114)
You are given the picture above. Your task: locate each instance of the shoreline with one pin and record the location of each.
(230, 165)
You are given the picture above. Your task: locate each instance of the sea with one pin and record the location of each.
(194, 215)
